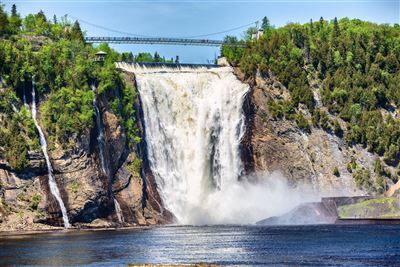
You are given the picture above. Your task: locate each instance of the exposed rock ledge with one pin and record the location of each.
(27, 204)
(323, 212)
(280, 145)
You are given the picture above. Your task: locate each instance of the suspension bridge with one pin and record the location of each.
(132, 38)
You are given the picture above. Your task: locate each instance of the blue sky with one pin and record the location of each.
(182, 18)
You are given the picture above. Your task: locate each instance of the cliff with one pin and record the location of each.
(317, 157)
(25, 198)
(322, 106)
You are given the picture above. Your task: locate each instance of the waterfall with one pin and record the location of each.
(24, 96)
(52, 183)
(194, 123)
(103, 159)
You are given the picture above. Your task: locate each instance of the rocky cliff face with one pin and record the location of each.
(280, 145)
(26, 201)
(318, 158)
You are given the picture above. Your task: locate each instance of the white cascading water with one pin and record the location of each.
(24, 98)
(52, 183)
(103, 160)
(194, 122)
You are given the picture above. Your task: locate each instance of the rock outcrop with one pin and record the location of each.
(307, 213)
(324, 212)
(271, 144)
(26, 201)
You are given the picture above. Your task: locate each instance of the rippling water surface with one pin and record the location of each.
(329, 245)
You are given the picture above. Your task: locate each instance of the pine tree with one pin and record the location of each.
(15, 21)
(130, 57)
(336, 26)
(41, 15)
(335, 33)
(311, 27)
(265, 24)
(321, 23)
(3, 21)
(76, 32)
(14, 10)
(157, 57)
(308, 49)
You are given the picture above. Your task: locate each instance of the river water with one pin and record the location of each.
(323, 245)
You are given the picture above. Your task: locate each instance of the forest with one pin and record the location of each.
(356, 67)
(52, 52)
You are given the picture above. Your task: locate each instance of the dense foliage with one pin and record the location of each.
(145, 57)
(53, 55)
(355, 66)
(16, 127)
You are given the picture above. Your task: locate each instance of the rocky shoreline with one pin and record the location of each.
(88, 228)
(341, 210)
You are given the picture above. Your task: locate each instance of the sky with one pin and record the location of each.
(185, 18)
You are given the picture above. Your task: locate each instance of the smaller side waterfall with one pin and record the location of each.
(24, 97)
(52, 183)
(103, 159)
(118, 210)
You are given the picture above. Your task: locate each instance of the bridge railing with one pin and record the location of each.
(155, 40)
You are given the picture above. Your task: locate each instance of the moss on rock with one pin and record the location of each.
(380, 208)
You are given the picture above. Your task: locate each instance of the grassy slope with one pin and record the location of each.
(384, 207)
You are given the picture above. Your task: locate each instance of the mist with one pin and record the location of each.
(247, 201)
(194, 122)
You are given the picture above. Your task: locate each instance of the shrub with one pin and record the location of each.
(336, 171)
(35, 200)
(362, 178)
(303, 123)
(380, 184)
(135, 166)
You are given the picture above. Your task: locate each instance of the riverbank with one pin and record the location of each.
(55, 230)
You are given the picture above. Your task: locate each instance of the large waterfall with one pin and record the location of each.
(52, 183)
(194, 122)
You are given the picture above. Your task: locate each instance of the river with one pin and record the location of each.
(318, 245)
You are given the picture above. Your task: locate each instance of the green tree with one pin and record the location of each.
(335, 32)
(265, 25)
(157, 57)
(231, 50)
(15, 21)
(76, 32)
(3, 21)
(36, 24)
(144, 57)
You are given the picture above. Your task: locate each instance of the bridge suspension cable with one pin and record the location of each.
(152, 36)
(108, 29)
(215, 33)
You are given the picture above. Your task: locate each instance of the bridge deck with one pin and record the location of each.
(156, 40)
